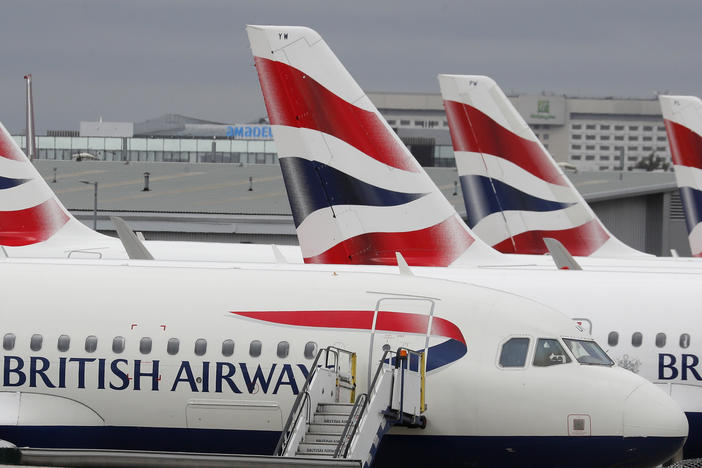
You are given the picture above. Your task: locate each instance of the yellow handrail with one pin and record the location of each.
(422, 405)
(353, 377)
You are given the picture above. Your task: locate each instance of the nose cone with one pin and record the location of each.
(648, 412)
(654, 426)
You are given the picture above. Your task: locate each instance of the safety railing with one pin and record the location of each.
(303, 401)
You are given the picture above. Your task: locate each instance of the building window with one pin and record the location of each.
(64, 342)
(577, 137)
(590, 126)
(576, 157)
(604, 158)
(604, 137)
(545, 136)
(619, 137)
(633, 138)
(576, 127)
(227, 348)
(590, 157)
(660, 138)
(590, 137)
(647, 128)
(576, 147)
(660, 128)
(604, 127)
(618, 128)
(35, 342)
(633, 128)
(647, 138)
(404, 122)
(200, 346)
(173, 346)
(590, 147)
(118, 344)
(604, 148)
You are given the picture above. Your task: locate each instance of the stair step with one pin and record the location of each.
(317, 428)
(330, 418)
(312, 438)
(317, 449)
(341, 408)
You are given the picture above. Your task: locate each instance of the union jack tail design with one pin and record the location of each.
(515, 194)
(30, 212)
(357, 194)
(683, 124)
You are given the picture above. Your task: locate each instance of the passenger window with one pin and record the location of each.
(613, 338)
(660, 340)
(255, 348)
(64, 341)
(145, 345)
(310, 349)
(684, 340)
(636, 339)
(227, 348)
(549, 352)
(8, 341)
(118, 344)
(514, 352)
(35, 342)
(200, 346)
(283, 349)
(173, 346)
(91, 344)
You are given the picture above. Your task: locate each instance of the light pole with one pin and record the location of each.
(95, 185)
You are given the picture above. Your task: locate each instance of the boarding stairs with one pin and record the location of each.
(329, 421)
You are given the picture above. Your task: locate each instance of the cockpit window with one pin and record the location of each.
(549, 352)
(514, 352)
(588, 352)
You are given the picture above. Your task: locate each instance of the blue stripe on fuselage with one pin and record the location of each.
(312, 185)
(395, 450)
(481, 200)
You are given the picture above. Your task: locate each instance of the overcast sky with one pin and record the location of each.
(130, 60)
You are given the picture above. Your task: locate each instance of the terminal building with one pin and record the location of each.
(592, 134)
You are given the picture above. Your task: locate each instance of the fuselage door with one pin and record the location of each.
(399, 322)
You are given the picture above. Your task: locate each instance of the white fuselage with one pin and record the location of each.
(246, 397)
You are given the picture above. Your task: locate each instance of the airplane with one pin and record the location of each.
(357, 205)
(164, 365)
(34, 223)
(682, 116)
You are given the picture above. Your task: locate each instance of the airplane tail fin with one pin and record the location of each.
(682, 116)
(515, 193)
(30, 212)
(357, 194)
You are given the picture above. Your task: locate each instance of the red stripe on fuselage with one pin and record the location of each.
(294, 99)
(580, 241)
(474, 131)
(360, 320)
(685, 145)
(31, 225)
(438, 245)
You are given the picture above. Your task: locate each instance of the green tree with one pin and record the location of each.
(652, 162)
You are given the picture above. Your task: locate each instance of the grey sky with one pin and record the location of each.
(131, 60)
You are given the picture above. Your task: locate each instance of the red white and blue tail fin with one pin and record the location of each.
(357, 194)
(683, 124)
(515, 193)
(30, 212)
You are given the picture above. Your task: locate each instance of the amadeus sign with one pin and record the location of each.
(250, 132)
(539, 109)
